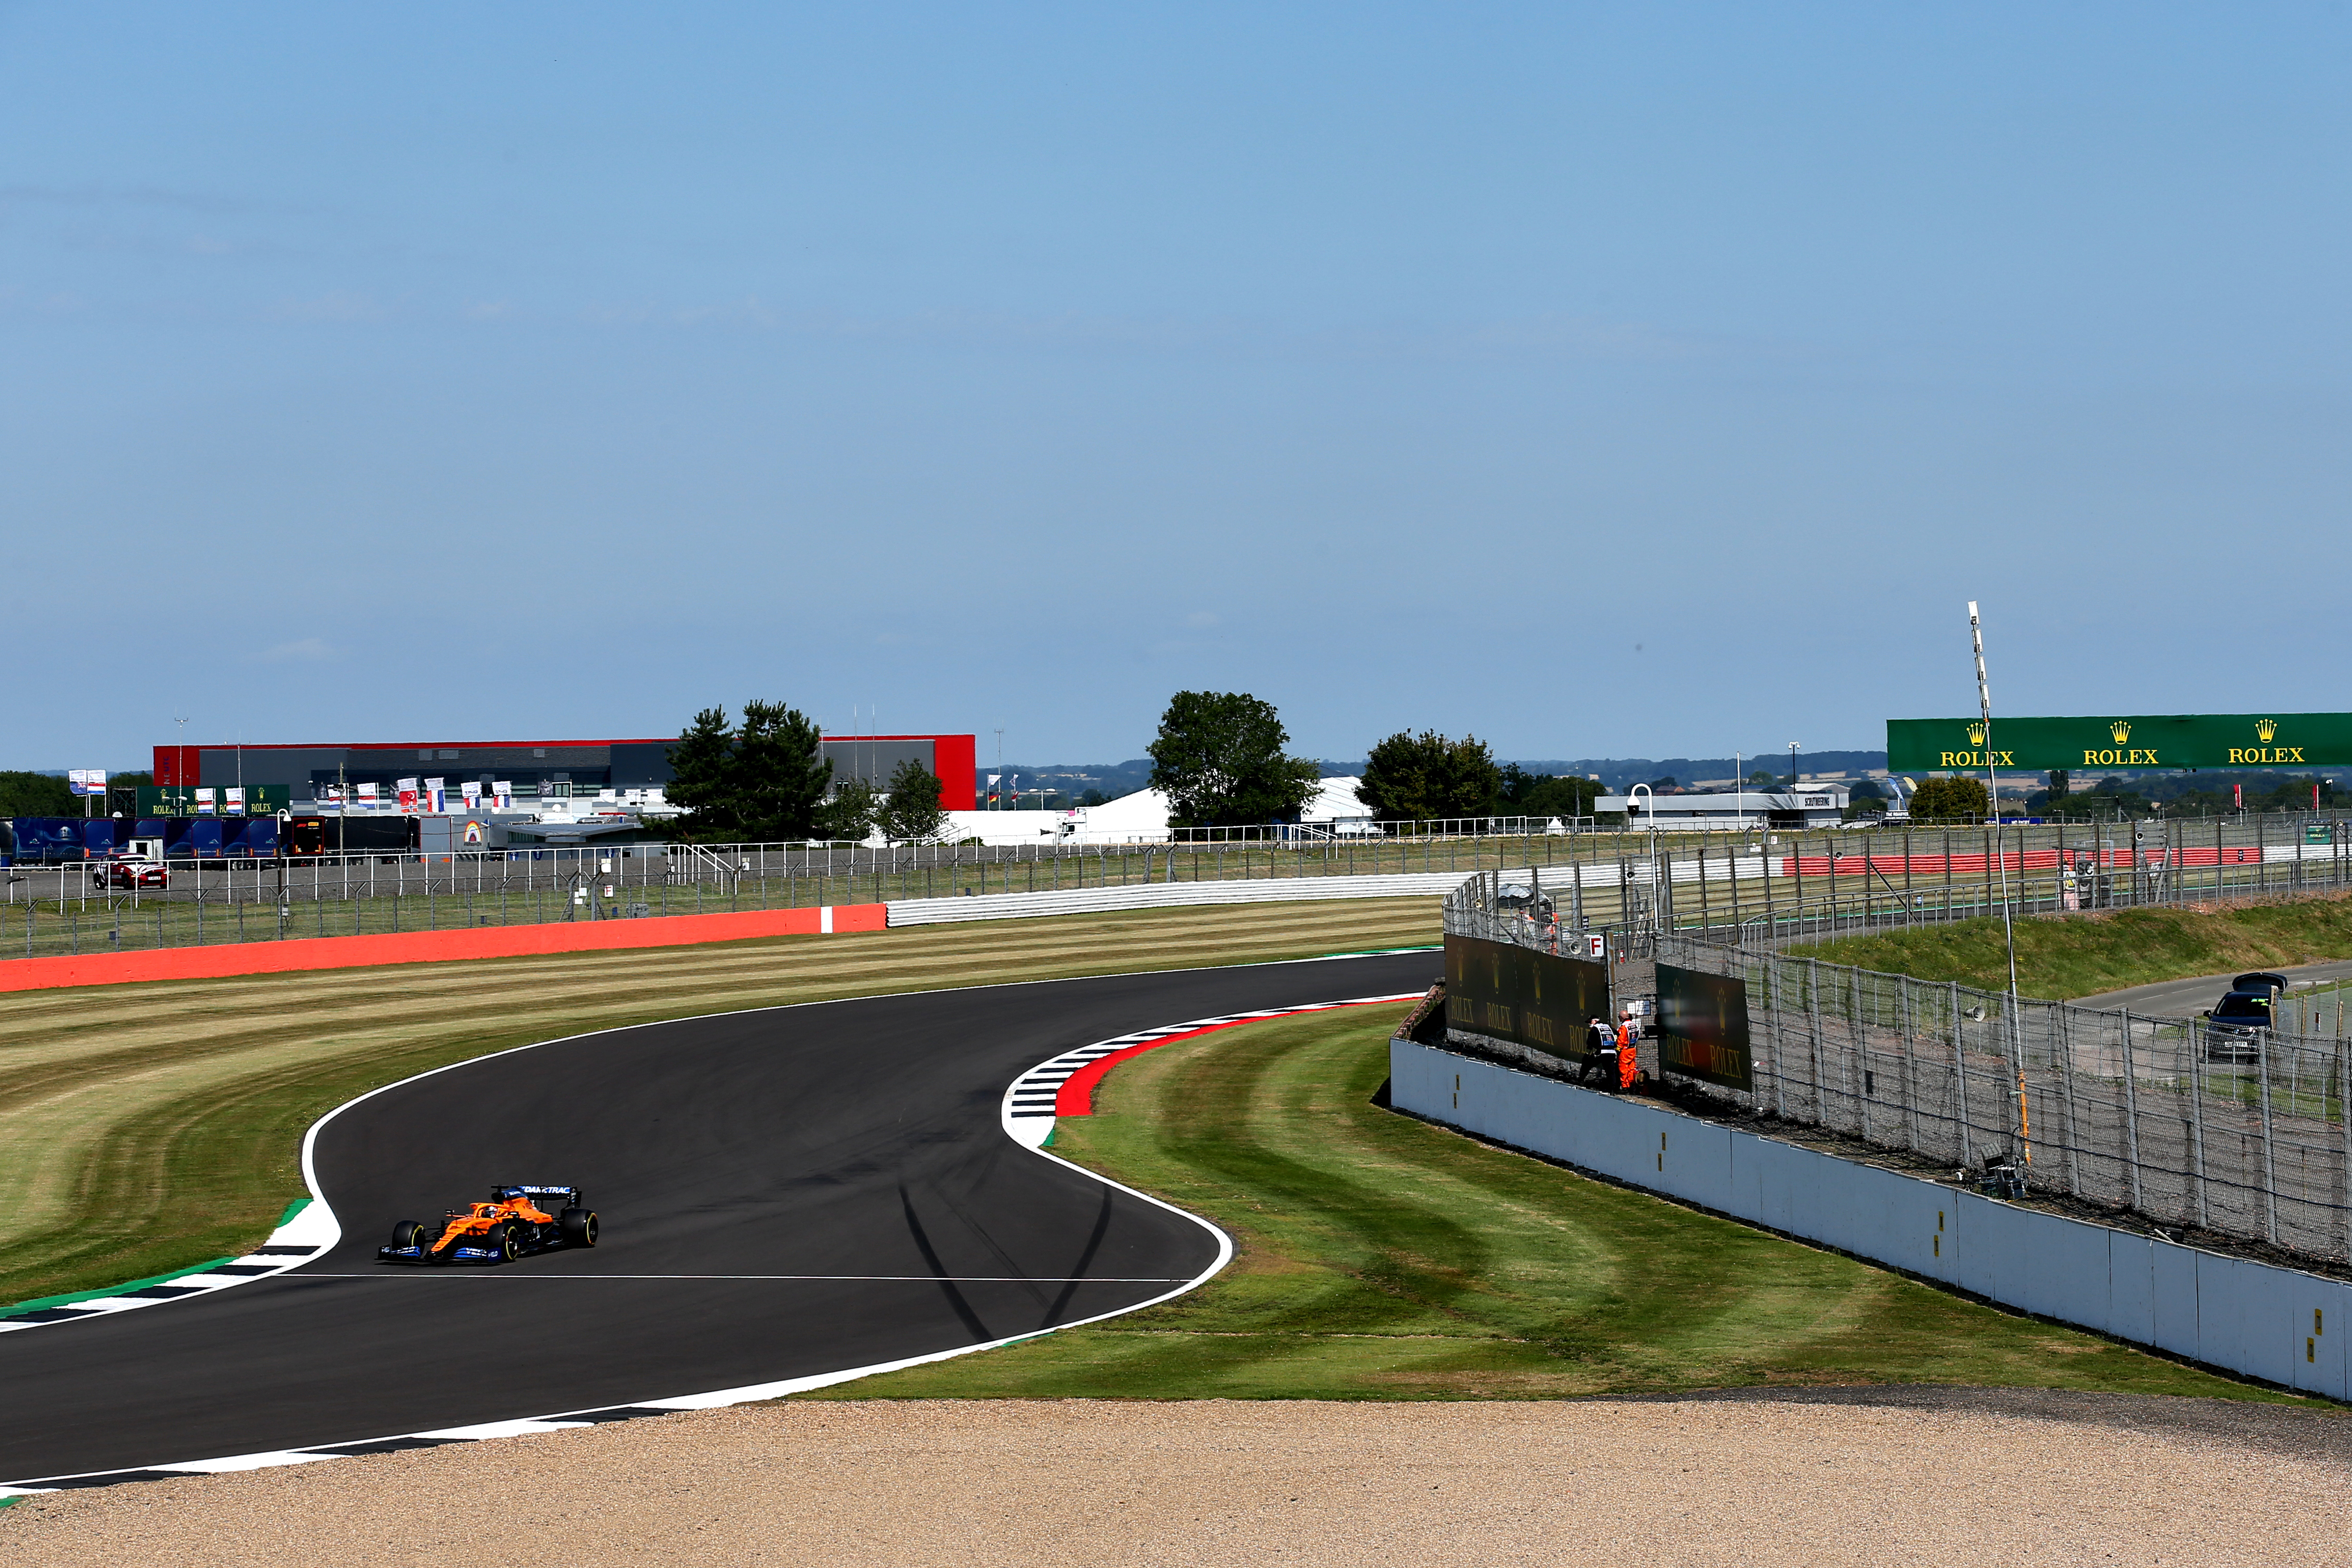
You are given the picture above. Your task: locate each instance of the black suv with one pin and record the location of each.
(2233, 1027)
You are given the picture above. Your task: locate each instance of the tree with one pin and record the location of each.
(1561, 795)
(37, 795)
(780, 772)
(849, 812)
(1415, 778)
(912, 813)
(702, 778)
(1219, 759)
(764, 783)
(1522, 794)
(1951, 800)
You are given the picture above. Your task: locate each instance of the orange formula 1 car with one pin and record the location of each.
(514, 1222)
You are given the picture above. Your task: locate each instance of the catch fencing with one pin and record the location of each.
(76, 907)
(2242, 1133)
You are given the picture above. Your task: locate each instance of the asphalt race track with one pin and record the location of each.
(858, 1142)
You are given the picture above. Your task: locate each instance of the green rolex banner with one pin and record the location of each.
(2139, 740)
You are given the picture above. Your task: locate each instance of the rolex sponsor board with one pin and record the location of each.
(2142, 740)
(1517, 993)
(1703, 1027)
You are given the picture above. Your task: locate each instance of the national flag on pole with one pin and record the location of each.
(436, 795)
(407, 788)
(233, 801)
(204, 806)
(503, 789)
(472, 789)
(367, 794)
(86, 781)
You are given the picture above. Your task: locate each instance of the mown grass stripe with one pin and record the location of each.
(1384, 1258)
(145, 1128)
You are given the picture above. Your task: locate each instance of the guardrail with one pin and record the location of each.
(1165, 895)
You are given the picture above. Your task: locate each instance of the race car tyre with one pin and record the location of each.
(504, 1243)
(579, 1226)
(411, 1233)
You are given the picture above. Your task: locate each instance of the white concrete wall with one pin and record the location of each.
(2246, 1317)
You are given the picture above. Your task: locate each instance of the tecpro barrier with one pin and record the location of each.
(2280, 1325)
(429, 947)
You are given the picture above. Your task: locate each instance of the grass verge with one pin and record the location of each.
(2065, 956)
(1381, 1257)
(146, 1128)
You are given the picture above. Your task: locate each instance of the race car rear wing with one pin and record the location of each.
(502, 1193)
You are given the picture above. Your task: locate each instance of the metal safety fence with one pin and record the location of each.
(2240, 1132)
(72, 908)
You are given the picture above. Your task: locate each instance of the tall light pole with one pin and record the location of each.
(998, 791)
(1792, 767)
(2001, 859)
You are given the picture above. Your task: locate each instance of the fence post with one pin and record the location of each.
(1910, 1069)
(2196, 1118)
(2270, 1166)
(1813, 1013)
(2062, 1041)
(2131, 1112)
(1960, 1073)
(1796, 864)
(1862, 1051)
(1947, 873)
(2344, 1110)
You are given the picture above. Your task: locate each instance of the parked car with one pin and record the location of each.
(132, 874)
(2235, 1022)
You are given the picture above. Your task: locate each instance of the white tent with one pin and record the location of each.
(1137, 818)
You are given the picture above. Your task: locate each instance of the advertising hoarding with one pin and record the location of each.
(1703, 1027)
(1519, 994)
(2142, 740)
(184, 800)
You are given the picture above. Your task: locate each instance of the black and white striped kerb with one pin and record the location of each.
(306, 1233)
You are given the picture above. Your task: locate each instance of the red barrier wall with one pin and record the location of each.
(427, 947)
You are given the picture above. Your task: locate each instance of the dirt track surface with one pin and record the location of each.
(1871, 1476)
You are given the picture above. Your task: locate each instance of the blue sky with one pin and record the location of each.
(1631, 379)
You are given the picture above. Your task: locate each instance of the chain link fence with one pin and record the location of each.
(2242, 1132)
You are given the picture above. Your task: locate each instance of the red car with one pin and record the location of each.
(132, 874)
